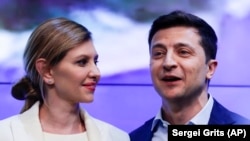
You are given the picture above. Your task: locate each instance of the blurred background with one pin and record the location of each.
(125, 96)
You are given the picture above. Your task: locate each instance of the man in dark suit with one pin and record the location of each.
(182, 61)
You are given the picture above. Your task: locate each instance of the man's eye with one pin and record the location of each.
(183, 52)
(157, 54)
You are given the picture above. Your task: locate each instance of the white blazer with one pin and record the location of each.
(27, 127)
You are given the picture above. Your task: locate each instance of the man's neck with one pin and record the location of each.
(182, 111)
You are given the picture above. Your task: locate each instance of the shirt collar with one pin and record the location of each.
(158, 121)
(203, 116)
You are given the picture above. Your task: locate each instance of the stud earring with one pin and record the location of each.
(50, 81)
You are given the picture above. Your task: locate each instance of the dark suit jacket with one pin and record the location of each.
(219, 116)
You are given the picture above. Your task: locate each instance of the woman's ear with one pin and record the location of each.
(212, 65)
(44, 71)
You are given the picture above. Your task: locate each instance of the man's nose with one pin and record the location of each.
(169, 61)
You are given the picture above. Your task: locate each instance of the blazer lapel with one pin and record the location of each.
(143, 133)
(148, 133)
(27, 127)
(93, 132)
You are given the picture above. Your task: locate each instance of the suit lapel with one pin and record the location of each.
(143, 133)
(219, 115)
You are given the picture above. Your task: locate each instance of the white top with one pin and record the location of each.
(63, 137)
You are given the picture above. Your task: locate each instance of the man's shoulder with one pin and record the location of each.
(239, 119)
(229, 117)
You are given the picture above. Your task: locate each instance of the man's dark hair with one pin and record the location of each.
(181, 18)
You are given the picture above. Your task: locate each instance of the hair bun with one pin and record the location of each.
(21, 89)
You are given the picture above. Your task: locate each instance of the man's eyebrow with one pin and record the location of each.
(158, 45)
(177, 45)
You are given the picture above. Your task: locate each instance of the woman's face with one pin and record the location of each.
(75, 77)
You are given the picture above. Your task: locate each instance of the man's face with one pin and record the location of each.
(178, 63)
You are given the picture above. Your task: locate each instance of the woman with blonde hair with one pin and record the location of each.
(60, 62)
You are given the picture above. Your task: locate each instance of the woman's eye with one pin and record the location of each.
(96, 61)
(82, 62)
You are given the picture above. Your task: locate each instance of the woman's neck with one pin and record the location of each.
(61, 119)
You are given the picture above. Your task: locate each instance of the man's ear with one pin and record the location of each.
(212, 65)
(44, 71)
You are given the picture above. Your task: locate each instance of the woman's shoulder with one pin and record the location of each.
(7, 121)
(5, 128)
(115, 132)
